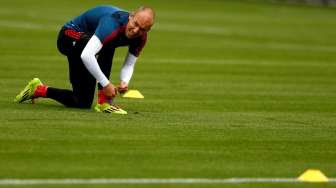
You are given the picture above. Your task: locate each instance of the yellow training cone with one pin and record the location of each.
(133, 94)
(313, 175)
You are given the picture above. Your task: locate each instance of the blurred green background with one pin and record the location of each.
(232, 89)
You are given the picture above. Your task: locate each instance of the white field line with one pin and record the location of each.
(161, 27)
(232, 62)
(189, 29)
(25, 25)
(188, 61)
(149, 181)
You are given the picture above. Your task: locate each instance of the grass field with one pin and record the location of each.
(231, 90)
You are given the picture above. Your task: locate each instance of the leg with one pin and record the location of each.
(78, 99)
(83, 85)
(82, 81)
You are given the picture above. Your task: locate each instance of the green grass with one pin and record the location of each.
(231, 90)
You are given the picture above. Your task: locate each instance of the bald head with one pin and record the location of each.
(140, 21)
(147, 13)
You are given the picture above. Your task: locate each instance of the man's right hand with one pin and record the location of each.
(110, 91)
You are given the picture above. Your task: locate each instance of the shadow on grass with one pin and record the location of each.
(46, 106)
(50, 106)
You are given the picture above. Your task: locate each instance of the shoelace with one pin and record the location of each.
(112, 108)
(116, 106)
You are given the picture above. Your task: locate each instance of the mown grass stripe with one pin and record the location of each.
(150, 181)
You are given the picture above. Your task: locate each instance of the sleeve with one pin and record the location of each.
(90, 62)
(128, 68)
(107, 29)
(136, 46)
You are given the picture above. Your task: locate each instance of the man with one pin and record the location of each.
(89, 42)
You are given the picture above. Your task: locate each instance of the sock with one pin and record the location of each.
(40, 91)
(102, 98)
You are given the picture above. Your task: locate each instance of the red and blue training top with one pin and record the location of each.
(108, 23)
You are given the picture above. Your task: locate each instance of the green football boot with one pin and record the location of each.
(28, 92)
(109, 108)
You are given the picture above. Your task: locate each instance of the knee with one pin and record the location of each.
(81, 103)
(84, 104)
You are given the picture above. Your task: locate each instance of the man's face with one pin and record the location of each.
(138, 23)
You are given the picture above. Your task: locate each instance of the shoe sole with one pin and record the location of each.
(113, 111)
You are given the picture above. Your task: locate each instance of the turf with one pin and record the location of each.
(232, 89)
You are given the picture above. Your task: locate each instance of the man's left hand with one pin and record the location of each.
(123, 87)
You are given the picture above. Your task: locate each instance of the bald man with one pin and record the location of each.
(89, 42)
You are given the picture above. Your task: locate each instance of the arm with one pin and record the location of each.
(88, 57)
(128, 67)
(127, 72)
